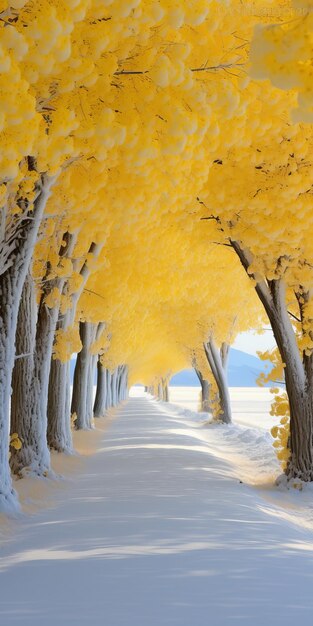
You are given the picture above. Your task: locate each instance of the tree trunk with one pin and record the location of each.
(34, 454)
(205, 392)
(300, 464)
(299, 388)
(224, 352)
(11, 284)
(93, 368)
(82, 398)
(124, 382)
(109, 389)
(80, 382)
(22, 378)
(92, 380)
(31, 382)
(215, 361)
(59, 408)
(298, 371)
(114, 380)
(165, 391)
(119, 371)
(101, 393)
(160, 392)
(59, 435)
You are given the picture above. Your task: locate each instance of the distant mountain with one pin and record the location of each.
(243, 370)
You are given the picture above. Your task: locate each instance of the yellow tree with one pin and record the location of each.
(58, 59)
(180, 295)
(264, 211)
(140, 109)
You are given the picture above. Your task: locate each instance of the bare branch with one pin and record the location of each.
(129, 73)
(209, 68)
(294, 317)
(94, 293)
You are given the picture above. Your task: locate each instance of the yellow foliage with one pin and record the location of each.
(164, 148)
(73, 420)
(15, 441)
(281, 433)
(282, 52)
(66, 343)
(52, 299)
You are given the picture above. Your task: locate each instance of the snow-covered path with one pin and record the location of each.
(156, 530)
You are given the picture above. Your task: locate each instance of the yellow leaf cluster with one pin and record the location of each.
(165, 149)
(281, 433)
(15, 441)
(66, 343)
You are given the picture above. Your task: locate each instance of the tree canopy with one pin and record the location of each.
(156, 183)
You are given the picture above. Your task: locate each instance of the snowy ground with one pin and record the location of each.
(250, 405)
(152, 526)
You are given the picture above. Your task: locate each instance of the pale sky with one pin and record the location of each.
(251, 342)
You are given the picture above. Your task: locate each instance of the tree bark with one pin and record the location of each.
(298, 370)
(31, 382)
(121, 383)
(22, 378)
(11, 284)
(59, 435)
(214, 357)
(92, 381)
(109, 389)
(205, 391)
(82, 397)
(101, 393)
(160, 391)
(114, 381)
(34, 455)
(59, 407)
(92, 375)
(165, 391)
(124, 383)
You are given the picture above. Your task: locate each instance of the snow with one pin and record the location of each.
(250, 405)
(151, 526)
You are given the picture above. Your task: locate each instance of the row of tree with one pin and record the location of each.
(155, 199)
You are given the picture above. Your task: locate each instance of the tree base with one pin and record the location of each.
(291, 482)
(26, 462)
(36, 472)
(220, 419)
(58, 446)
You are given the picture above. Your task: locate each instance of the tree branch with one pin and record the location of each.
(294, 316)
(210, 68)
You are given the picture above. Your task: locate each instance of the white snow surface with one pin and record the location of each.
(250, 405)
(162, 519)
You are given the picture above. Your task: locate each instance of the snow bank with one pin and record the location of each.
(250, 454)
